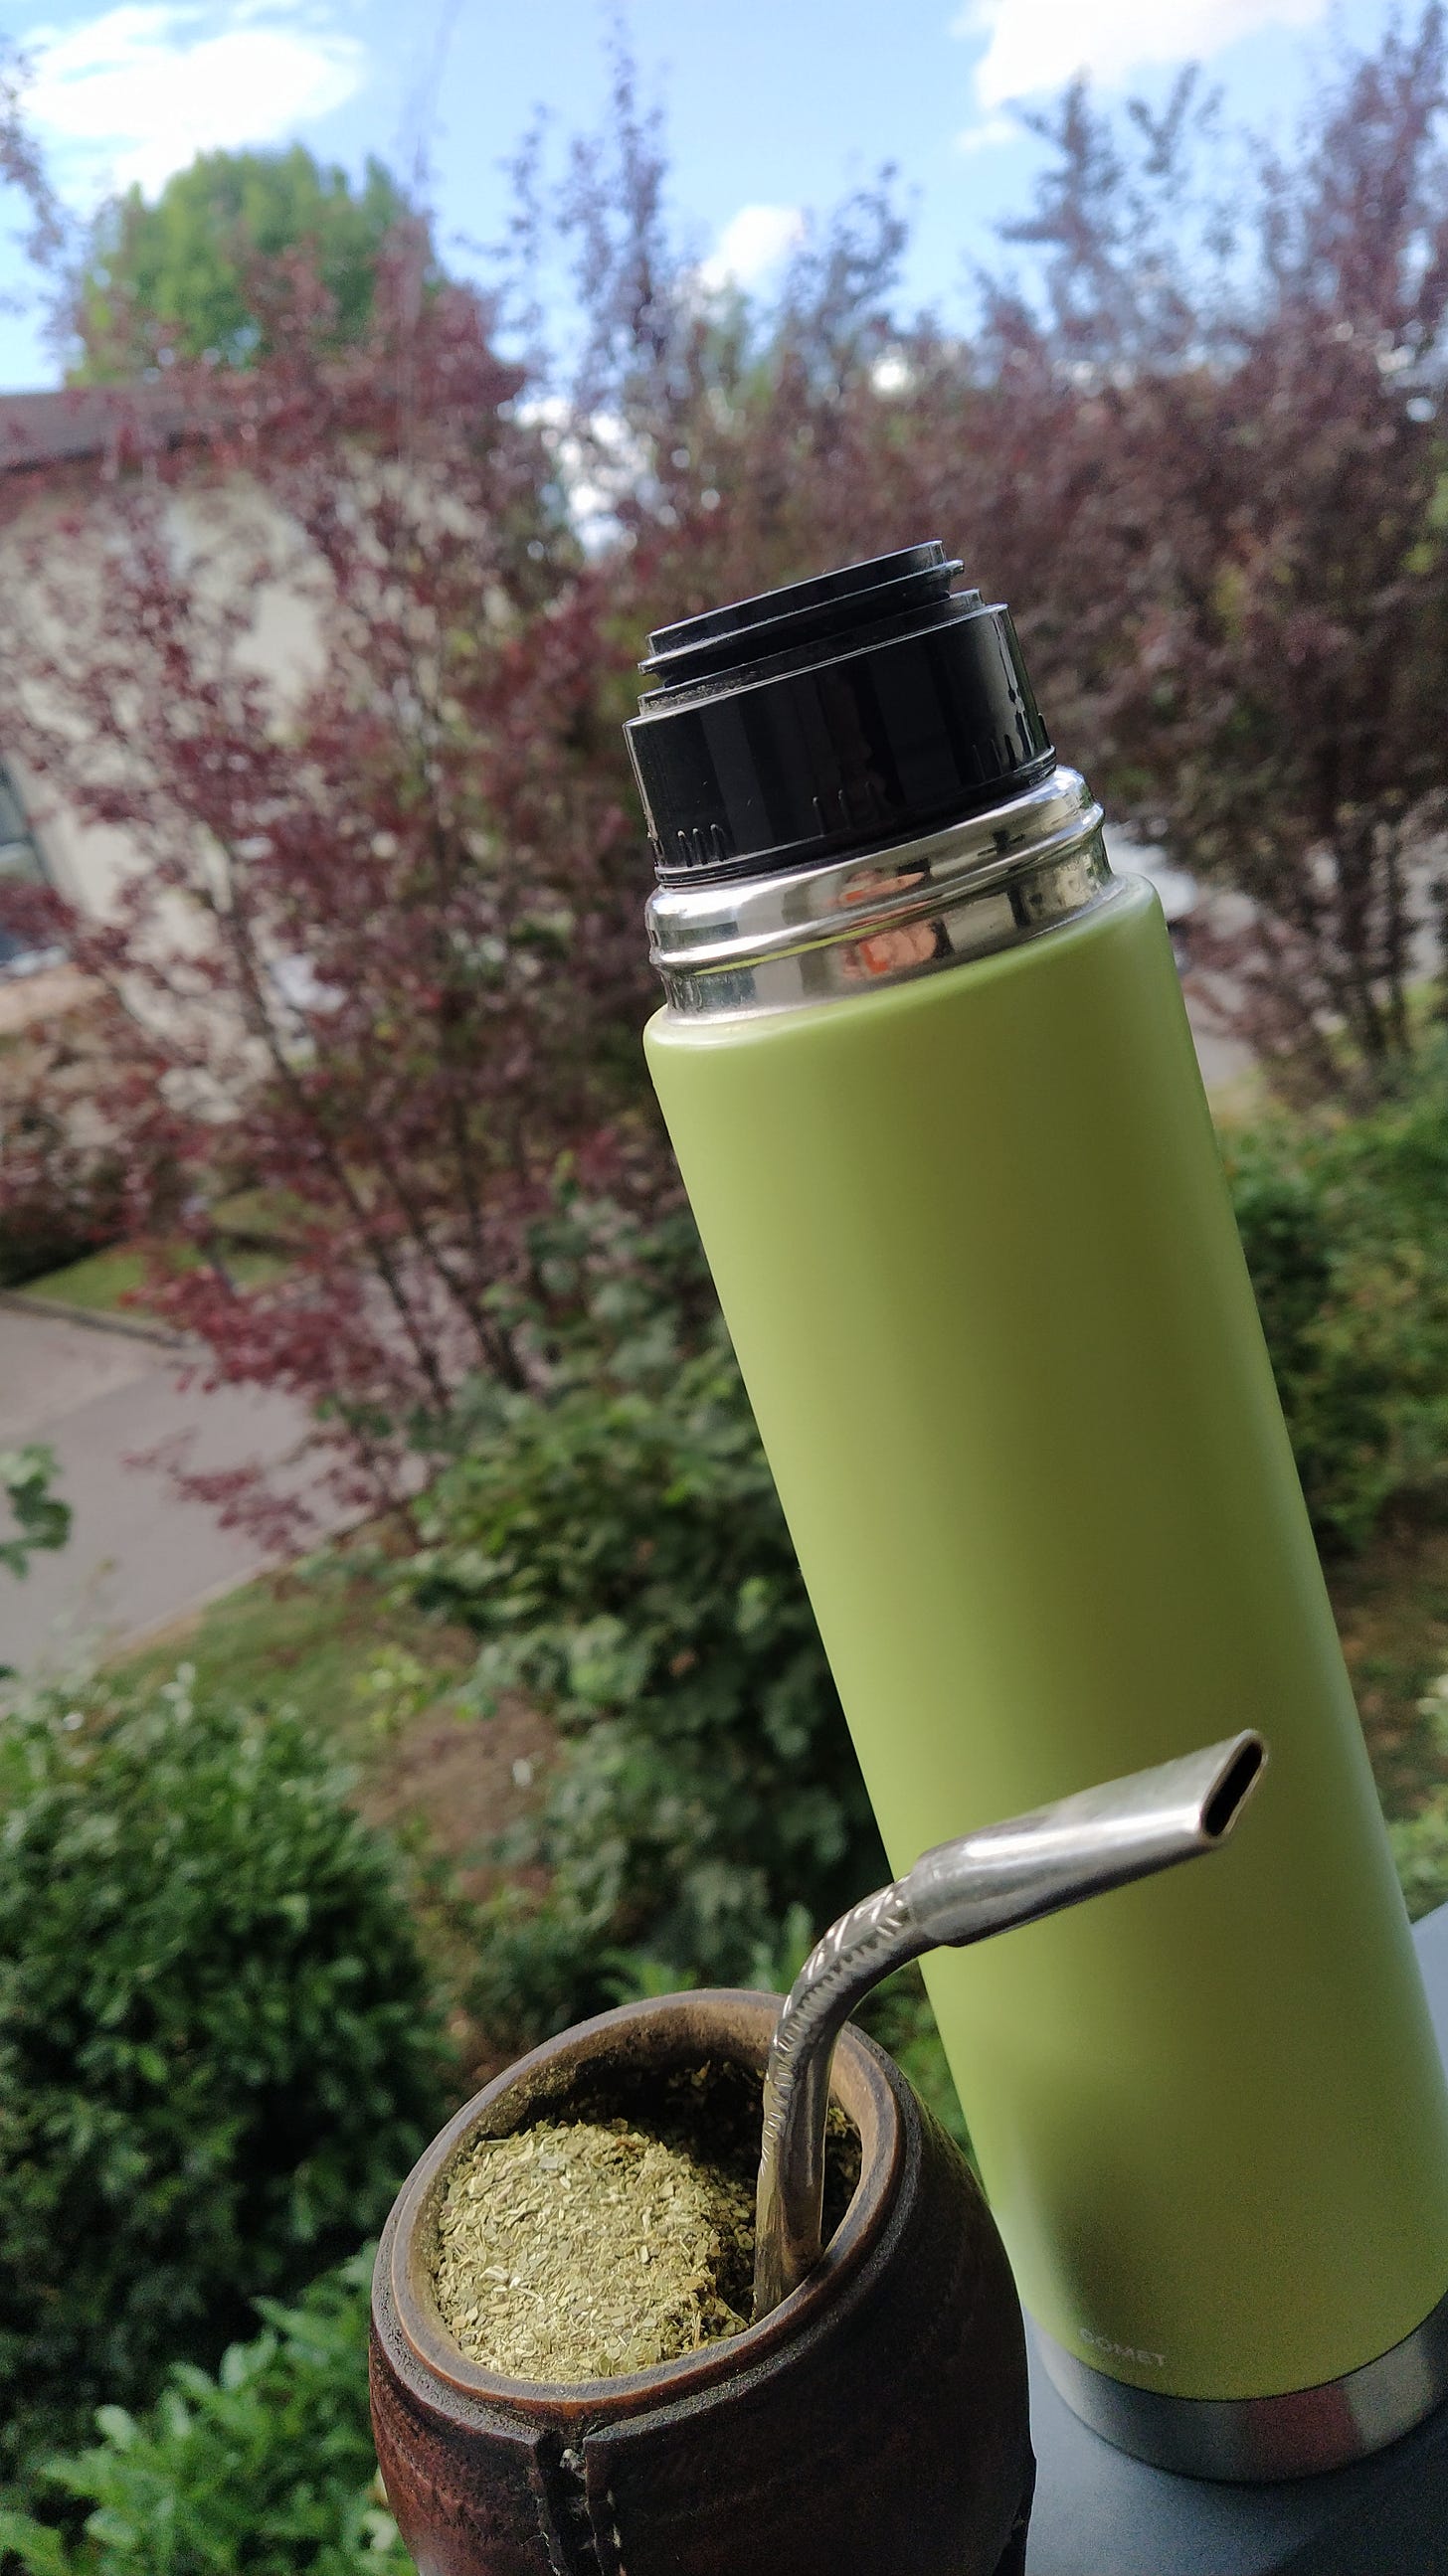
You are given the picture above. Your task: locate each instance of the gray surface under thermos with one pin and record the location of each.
(1098, 2513)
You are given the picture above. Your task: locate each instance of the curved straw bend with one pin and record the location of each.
(956, 1894)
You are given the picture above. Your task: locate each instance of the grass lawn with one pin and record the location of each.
(103, 1281)
(1392, 1616)
(314, 1640)
(261, 1216)
(381, 1679)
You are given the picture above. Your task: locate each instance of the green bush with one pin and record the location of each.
(621, 1551)
(217, 2055)
(265, 2469)
(1420, 1849)
(1345, 1226)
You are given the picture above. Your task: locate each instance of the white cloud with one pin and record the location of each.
(1034, 45)
(991, 131)
(752, 243)
(137, 92)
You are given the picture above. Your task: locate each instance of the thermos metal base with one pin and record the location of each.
(1248, 2438)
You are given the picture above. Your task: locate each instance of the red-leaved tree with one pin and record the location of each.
(322, 651)
(1258, 428)
(341, 647)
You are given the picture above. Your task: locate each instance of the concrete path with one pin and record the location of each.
(138, 1555)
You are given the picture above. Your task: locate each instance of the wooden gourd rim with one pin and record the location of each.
(664, 2031)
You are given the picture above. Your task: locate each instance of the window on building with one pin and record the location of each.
(20, 860)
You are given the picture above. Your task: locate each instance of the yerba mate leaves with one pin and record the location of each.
(586, 2249)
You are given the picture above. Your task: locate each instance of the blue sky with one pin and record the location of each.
(774, 107)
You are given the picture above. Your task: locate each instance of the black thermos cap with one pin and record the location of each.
(867, 706)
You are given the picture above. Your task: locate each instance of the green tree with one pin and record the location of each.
(185, 277)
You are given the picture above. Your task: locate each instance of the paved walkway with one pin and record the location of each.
(138, 1555)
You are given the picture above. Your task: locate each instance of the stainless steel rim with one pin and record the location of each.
(883, 916)
(1256, 2438)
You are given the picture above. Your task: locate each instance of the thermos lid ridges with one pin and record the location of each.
(862, 707)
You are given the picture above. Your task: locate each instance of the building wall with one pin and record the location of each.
(220, 535)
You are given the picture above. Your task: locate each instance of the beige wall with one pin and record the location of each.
(221, 533)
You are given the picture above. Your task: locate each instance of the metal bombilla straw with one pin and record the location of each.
(956, 1894)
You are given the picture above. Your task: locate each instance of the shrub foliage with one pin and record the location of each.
(216, 2052)
(622, 1553)
(266, 2467)
(1344, 1220)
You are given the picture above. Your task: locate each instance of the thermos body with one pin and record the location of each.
(976, 1254)
(937, 1109)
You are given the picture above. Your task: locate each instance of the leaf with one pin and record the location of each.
(42, 1520)
(39, 2549)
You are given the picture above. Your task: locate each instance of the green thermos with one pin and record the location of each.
(928, 1075)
